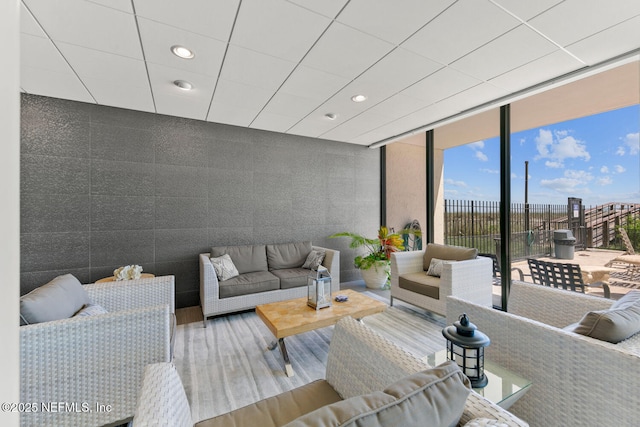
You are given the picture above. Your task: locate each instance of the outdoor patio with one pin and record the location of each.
(622, 278)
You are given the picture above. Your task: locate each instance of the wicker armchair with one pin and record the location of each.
(469, 279)
(72, 365)
(577, 380)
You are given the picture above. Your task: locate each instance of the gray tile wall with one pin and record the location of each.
(103, 187)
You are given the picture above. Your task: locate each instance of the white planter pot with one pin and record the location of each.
(376, 276)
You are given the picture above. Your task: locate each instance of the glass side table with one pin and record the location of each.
(504, 387)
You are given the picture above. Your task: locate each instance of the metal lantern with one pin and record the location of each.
(319, 288)
(465, 346)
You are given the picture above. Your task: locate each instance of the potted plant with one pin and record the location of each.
(375, 264)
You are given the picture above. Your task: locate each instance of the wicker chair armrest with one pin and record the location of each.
(332, 262)
(95, 359)
(471, 279)
(406, 262)
(162, 401)
(361, 361)
(552, 306)
(209, 285)
(129, 294)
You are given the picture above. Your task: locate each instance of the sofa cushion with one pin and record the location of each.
(287, 255)
(246, 258)
(449, 252)
(436, 395)
(292, 277)
(224, 267)
(616, 324)
(278, 410)
(59, 299)
(249, 283)
(91, 310)
(421, 283)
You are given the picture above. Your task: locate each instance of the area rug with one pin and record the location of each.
(227, 364)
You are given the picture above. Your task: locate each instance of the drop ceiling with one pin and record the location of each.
(283, 65)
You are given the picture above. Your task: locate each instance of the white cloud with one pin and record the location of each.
(604, 169)
(619, 169)
(478, 145)
(491, 171)
(605, 180)
(450, 181)
(632, 140)
(481, 156)
(621, 151)
(573, 181)
(553, 165)
(558, 146)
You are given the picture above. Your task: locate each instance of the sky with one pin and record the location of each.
(595, 158)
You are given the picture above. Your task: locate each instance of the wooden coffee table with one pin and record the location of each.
(291, 317)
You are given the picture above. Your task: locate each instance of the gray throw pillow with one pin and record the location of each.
(61, 298)
(437, 395)
(314, 259)
(616, 324)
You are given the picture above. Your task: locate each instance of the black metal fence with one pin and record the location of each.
(477, 224)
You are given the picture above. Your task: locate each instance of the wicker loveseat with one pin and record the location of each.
(267, 273)
(360, 364)
(72, 365)
(577, 380)
(468, 276)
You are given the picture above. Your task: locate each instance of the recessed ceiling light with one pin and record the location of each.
(358, 98)
(182, 52)
(183, 84)
(331, 116)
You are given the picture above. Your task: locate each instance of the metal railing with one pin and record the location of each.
(477, 224)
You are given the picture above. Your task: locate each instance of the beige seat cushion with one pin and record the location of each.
(435, 397)
(420, 283)
(447, 252)
(278, 410)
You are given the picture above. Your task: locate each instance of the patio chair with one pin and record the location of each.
(630, 256)
(562, 275)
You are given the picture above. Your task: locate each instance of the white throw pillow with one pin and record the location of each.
(314, 259)
(225, 269)
(435, 267)
(91, 310)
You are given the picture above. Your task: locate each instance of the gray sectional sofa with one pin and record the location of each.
(265, 273)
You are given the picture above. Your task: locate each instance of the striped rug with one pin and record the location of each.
(227, 365)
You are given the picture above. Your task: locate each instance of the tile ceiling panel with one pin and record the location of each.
(385, 20)
(574, 20)
(459, 30)
(237, 100)
(89, 25)
(123, 5)
(255, 69)
(28, 24)
(170, 99)
(615, 40)
(44, 71)
(328, 8)
(440, 85)
(526, 10)
(283, 64)
(313, 84)
(505, 53)
(545, 68)
(345, 51)
(277, 28)
(112, 79)
(208, 18)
